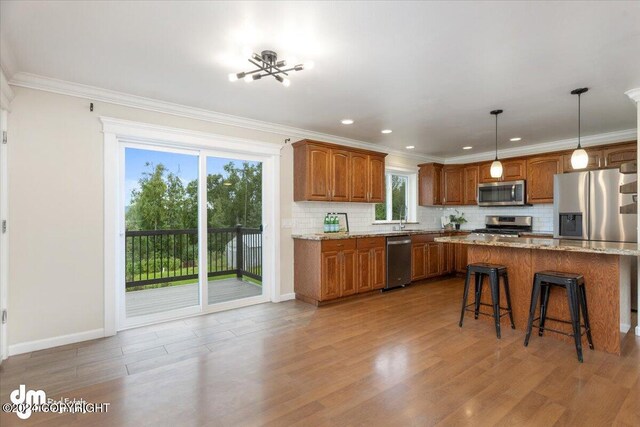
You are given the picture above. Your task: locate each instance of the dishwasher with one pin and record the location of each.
(398, 261)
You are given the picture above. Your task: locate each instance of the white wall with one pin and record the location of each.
(56, 210)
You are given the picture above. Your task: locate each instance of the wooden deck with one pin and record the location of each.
(149, 301)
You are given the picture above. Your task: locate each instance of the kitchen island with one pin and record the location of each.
(606, 268)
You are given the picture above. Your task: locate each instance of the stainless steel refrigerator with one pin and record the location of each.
(586, 206)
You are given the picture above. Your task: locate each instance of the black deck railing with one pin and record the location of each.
(162, 256)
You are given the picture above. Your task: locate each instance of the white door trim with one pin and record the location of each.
(117, 133)
(4, 238)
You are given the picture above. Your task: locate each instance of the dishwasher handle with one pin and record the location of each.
(398, 242)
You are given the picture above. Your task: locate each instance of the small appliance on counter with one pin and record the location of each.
(505, 226)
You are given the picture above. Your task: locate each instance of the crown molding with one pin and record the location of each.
(48, 84)
(547, 147)
(6, 93)
(634, 94)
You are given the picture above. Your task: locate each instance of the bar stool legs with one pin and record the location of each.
(576, 301)
(494, 273)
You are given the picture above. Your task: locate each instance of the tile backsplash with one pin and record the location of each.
(308, 217)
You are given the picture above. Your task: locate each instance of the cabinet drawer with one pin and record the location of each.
(371, 242)
(423, 238)
(338, 245)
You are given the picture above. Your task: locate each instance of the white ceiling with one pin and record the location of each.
(429, 71)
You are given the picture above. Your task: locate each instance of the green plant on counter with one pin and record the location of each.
(458, 218)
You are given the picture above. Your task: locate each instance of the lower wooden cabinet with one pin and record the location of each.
(460, 258)
(330, 269)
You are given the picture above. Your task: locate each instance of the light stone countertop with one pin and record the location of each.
(605, 248)
(363, 234)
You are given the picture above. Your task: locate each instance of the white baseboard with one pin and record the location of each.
(625, 327)
(27, 347)
(286, 297)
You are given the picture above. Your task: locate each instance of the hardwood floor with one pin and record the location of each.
(397, 358)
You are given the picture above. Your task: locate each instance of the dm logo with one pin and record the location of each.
(25, 400)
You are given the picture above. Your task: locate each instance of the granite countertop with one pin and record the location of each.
(361, 234)
(605, 248)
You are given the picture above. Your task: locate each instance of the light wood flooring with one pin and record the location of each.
(393, 359)
(158, 300)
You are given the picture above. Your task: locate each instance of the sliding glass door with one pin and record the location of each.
(234, 229)
(192, 232)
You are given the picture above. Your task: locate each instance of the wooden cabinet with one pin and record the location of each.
(452, 184)
(418, 257)
(434, 253)
(460, 257)
(540, 172)
(470, 196)
(623, 153)
(330, 172)
(359, 165)
(340, 175)
(595, 161)
(512, 170)
(429, 258)
(376, 179)
(430, 184)
(338, 275)
(371, 264)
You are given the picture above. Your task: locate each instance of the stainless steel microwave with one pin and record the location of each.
(508, 193)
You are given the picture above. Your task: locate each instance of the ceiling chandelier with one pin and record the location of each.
(268, 65)
(579, 158)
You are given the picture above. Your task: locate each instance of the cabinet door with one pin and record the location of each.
(433, 254)
(340, 176)
(595, 160)
(349, 279)
(460, 258)
(430, 184)
(376, 179)
(540, 172)
(445, 258)
(615, 156)
(418, 267)
(514, 170)
(452, 182)
(359, 177)
(318, 173)
(485, 173)
(378, 268)
(364, 270)
(331, 275)
(470, 185)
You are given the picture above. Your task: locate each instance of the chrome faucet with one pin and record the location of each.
(403, 217)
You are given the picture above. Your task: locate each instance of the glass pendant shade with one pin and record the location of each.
(579, 159)
(496, 169)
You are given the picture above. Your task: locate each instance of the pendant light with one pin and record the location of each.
(496, 166)
(579, 158)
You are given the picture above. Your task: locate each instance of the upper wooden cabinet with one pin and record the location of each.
(376, 179)
(329, 172)
(512, 170)
(452, 184)
(470, 176)
(623, 153)
(430, 184)
(595, 161)
(540, 172)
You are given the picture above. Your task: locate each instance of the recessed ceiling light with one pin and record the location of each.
(515, 139)
(410, 147)
(347, 122)
(386, 131)
(468, 147)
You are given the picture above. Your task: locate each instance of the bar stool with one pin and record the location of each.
(576, 298)
(494, 272)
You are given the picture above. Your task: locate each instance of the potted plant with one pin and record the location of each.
(457, 219)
